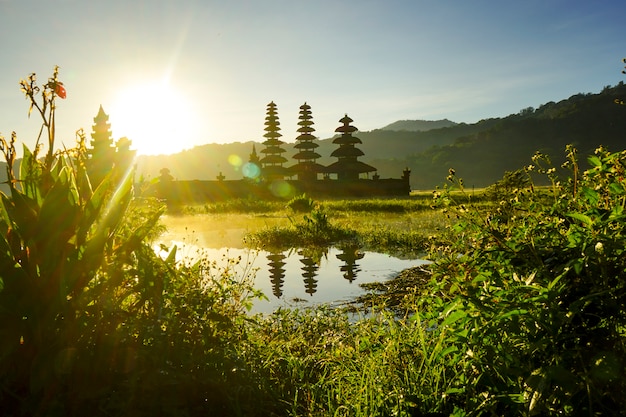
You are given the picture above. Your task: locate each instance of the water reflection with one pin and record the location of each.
(277, 272)
(311, 275)
(349, 255)
(311, 261)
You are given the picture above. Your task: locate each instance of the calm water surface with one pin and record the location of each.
(294, 277)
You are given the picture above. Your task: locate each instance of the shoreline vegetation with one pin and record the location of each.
(521, 311)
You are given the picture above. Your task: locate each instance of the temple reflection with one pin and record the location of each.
(349, 255)
(310, 262)
(277, 272)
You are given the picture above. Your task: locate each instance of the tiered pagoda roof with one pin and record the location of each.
(348, 167)
(272, 163)
(307, 167)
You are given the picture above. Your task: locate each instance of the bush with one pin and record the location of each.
(301, 204)
(93, 321)
(533, 296)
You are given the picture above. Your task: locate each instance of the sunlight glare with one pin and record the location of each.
(156, 117)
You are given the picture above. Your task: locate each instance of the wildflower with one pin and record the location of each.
(599, 248)
(60, 90)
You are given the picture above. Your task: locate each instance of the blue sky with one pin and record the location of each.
(212, 66)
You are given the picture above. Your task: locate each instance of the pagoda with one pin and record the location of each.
(307, 168)
(348, 167)
(102, 152)
(272, 162)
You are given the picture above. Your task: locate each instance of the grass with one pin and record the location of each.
(396, 226)
(402, 227)
(379, 360)
(321, 363)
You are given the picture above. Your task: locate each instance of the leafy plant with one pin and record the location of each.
(301, 204)
(93, 321)
(533, 296)
(510, 183)
(72, 267)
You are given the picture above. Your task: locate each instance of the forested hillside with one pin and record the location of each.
(418, 125)
(207, 161)
(479, 152)
(584, 120)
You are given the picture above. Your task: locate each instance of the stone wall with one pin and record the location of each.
(204, 191)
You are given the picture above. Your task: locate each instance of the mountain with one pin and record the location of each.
(479, 152)
(205, 162)
(418, 125)
(586, 121)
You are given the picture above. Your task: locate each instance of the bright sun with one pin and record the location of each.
(154, 116)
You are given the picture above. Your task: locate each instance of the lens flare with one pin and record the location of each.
(235, 161)
(282, 189)
(251, 170)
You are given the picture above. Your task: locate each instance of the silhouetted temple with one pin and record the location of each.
(307, 167)
(104, 154)
(273, 160)
(348, 167)
(267, 176)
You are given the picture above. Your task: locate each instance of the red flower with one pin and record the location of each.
(60, 90)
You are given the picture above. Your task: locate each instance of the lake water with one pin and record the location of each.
(296, 277)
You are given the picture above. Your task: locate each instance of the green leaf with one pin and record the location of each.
(30, 175)
(22, 214)
(58, 221)
(117, 206)
(453, 317)
(595, 161)
(586, 220)
(616, 188)
(516, 312)
(94, 206)
(171, 257)
(447, 351)
(591, 195)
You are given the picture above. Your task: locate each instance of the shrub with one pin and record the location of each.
(533, 294)
(93, 321)
(301, 204)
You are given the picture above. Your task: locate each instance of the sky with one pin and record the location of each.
(175, 74)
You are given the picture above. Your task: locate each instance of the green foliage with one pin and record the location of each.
(523, 313)
(387, 240)
(73, 267)
(533, 296)
(301, 204)
(235, 205)
(93, 321)
(511, 182)
(378, 205)
(315, 229)
(319, 362)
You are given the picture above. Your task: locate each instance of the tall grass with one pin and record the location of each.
(320, 362)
